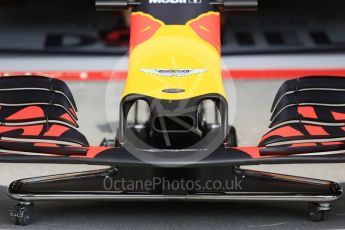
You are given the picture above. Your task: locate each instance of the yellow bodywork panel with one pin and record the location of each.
(174, 47)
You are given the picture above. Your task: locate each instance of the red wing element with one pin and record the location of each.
(285, 131)
(29, 112)
(307, 112)
(56, 131)
(338, 116)
(316, 130)
(24, 130)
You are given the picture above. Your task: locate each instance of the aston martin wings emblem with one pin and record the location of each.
(174, 73)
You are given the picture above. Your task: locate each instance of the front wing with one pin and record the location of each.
(39, 125)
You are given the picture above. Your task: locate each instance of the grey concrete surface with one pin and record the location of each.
(251, 115)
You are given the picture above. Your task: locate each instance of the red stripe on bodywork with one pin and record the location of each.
(46, 145)
(285, 131)
(105, 75)
(316, 130)
(307, 112)
(67, 117)
(143, 27)
(338, 116)
(280, 73)
(56, 131)
(208, 28)
(33, 130)
(303, 145)
(27, 113)
(332, 143)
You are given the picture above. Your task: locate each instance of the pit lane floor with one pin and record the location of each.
(251, 118)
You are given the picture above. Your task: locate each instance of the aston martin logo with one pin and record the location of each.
(174, 73)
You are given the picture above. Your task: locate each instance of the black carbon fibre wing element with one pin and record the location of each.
(38, 115)
(123, 157)
(308, 117)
